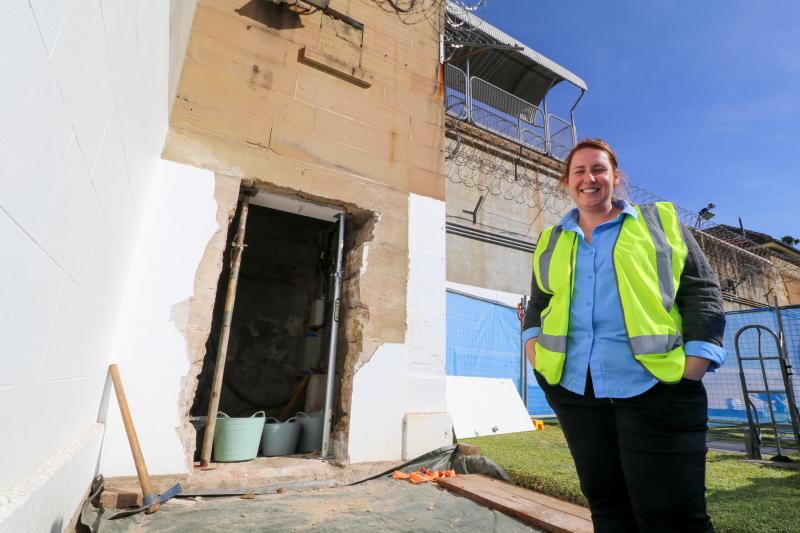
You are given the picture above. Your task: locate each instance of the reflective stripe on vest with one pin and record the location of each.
(666, 284)
(649, 255)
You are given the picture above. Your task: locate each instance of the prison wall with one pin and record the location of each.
(746, 279)
(84, 103)
(486, 175)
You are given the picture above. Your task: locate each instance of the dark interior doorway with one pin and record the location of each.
(281, 319)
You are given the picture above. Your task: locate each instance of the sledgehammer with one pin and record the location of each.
(151, 501)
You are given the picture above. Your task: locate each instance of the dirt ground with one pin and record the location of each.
(378, 505)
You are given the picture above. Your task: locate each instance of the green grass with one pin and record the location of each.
(742, 497)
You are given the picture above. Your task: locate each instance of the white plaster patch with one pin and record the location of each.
(364, 259)
(409, 377)
(425, 335)
(150, 343)
(425, 432)
(378, 403)
(46, 498)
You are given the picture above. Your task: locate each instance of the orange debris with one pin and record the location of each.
(423, 475)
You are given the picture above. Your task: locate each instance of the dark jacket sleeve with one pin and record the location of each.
(538, 302)
(699, 298)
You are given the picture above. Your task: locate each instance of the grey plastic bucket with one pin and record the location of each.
(237, 439)
(311, 432)
(199, 423)
(279, 438)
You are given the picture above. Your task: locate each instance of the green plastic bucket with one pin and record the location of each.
(279, 438)
(311, 432)
(237, 439)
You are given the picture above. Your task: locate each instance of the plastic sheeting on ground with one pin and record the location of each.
(378, 503)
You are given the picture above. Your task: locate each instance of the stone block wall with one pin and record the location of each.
(337, 113)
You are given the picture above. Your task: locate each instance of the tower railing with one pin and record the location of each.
(486, 105)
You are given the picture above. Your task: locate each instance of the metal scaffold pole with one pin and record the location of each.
(335, 315)
(523, 357)
(227, 316)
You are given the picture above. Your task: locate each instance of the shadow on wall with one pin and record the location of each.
(271, 15)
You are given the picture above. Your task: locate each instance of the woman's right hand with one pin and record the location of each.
(530, 351)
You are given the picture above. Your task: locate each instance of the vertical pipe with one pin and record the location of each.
(468, 90)
(572, 118)
(548, 142)
(222, 348)
(337, 295)
(524, 357)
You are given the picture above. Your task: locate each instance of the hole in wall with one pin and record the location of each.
(281, 319)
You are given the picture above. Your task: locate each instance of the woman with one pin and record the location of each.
(624, 320)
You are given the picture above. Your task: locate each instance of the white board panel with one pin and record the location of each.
(485, 406)
(296, 206)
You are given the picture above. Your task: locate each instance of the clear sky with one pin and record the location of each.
(700, 99)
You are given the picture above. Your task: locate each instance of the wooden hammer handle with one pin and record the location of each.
(133, 440)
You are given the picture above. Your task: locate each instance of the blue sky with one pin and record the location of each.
(701, 100)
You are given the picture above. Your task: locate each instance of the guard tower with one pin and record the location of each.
(504, 152)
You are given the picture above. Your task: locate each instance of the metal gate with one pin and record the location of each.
(768, 395)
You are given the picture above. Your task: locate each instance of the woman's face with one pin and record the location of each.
(591, 180)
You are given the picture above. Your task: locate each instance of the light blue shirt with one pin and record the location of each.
(597, 340)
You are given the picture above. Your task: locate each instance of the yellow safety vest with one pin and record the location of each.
(648, 259)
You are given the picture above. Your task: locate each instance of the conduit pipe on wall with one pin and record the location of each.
(222, 349)
(335, 314)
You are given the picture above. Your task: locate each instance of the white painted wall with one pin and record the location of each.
(150, 347)
(404, 381)
(83, 114)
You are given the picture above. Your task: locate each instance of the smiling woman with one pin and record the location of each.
(624, 319)
(591, 176)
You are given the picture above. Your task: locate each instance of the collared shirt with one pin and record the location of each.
(597, 340)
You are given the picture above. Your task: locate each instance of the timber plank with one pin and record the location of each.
(531, 507)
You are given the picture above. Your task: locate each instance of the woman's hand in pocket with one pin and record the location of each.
(530, 351)
(695, 368)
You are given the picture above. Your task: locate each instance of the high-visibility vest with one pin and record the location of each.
(648, 259)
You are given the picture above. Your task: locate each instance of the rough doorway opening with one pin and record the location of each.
(281, 321)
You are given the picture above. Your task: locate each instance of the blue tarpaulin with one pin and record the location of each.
(483, 340)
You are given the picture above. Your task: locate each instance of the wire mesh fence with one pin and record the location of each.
(726, 401)
(507, 115)
(455, 97)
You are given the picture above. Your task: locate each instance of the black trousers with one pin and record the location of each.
(642, 460)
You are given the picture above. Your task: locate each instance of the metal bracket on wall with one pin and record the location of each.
(474, 212)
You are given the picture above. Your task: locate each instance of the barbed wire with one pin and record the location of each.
(495, 169)
(430, 11)
(500, 172)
